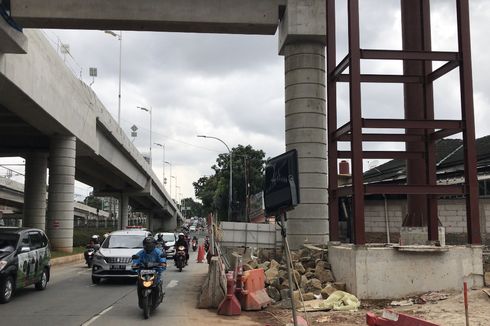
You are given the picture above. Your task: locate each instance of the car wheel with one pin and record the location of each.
(43, 281)
(95, 280)
(6, 289)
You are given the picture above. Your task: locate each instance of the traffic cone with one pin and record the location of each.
(200, 254)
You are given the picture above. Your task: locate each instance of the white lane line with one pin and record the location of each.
(172, 284)
(94, 318)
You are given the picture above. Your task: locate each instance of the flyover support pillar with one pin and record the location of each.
(123, 210)
(61, 192)
(302, 42)
(35, 190)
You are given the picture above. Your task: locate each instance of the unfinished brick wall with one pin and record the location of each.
(452, 214)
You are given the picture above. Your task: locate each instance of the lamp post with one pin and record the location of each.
(170, 164)
(148, 110)
(119, 37)
(163, 162)
(230, 195)
(175, 184)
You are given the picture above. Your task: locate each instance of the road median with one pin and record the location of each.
(67, 259)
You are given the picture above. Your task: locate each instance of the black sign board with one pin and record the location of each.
(281, 188)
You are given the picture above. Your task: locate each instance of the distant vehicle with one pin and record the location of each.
(113, 259)
(170, 239)
(192, 228)
(24, 260)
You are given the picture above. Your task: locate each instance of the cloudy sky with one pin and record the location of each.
(232, 86)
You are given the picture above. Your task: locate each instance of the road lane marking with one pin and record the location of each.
(94, 318)
(172, 284)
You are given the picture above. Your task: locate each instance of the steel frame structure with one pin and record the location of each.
(421, 128)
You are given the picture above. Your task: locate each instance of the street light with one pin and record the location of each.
(175, 186)
(163, 162)
(119, 37)
(148, 110)
(170, 164)
(230, 195)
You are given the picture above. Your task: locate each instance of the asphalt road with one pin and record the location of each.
(72, 299)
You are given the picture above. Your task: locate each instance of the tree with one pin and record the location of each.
(213, 191)
(93, 201)
(192, 208)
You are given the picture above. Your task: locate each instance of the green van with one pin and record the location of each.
(24, 260)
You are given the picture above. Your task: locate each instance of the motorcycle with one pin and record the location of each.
(194, 245)
(180, 258)
(89, 254)
(150, 293)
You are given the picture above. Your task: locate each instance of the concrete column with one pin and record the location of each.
(123, 210)
(35, 190)
(306, 132)
(61, 192)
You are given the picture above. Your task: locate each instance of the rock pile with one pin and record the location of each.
(311, 271)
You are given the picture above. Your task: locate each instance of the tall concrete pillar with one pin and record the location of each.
(35, 190)
(123, 211)
(302, 42)
(61, 192)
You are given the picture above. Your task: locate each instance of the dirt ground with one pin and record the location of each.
(449, 312)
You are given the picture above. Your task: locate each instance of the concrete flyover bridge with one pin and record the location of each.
(54, 120)
(65, 112)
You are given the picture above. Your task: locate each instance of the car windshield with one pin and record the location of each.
(123, 241)
(168, 237)
(8, 242)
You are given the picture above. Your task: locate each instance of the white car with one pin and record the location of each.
(113, 259)
(192, 228)
(169, 239)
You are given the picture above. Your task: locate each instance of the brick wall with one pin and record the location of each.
(452, 214)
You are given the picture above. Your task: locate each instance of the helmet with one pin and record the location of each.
(95, 238)
(181, 235)
(148, 244)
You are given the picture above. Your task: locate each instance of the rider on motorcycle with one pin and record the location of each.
(183, 242)
(151, 254)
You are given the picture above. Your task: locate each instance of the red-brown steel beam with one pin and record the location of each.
(414, 53)
(374, 189)
(412, 124)
(392, 79)
(443, 133)
(430, 147)
(398, 155)
(467, 113)
(417, 55)
(333, 200)
(385, 138)
(340, 67)
(441, 71)
(356, 121)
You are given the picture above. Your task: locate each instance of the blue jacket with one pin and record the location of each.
(153, 257)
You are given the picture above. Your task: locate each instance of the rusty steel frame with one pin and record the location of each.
(421, 129)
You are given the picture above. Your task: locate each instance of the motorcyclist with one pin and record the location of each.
(161, 244)
(206, 243)
(151, 254)
(181, 241)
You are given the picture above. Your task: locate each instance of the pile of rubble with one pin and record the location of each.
(312, 273)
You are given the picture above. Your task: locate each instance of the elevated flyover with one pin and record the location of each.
(101, 146)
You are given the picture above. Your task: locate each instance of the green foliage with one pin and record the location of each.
(213, 191)
(195, 207)
(93, 201)
(81, 236)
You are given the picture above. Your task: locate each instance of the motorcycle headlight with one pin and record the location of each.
(3, 263)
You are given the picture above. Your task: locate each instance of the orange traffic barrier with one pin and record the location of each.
(230, 306)
(254, 296)
(200, 254)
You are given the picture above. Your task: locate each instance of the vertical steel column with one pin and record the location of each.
(430, 147)
(414, 100)
(467, 115)
(356, 122)
(333, 201)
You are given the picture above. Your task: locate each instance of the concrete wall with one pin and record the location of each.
(385, 272)
(452, 214)
(236, 234)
